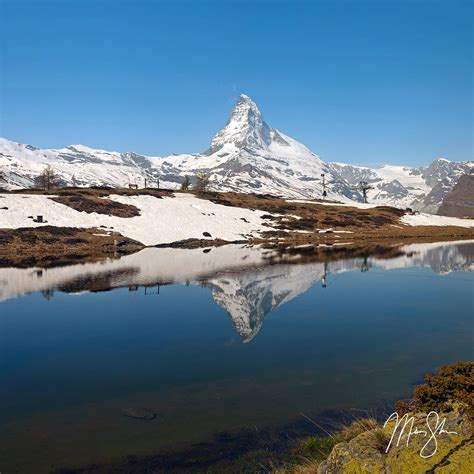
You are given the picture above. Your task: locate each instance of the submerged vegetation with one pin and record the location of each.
(358, 446)
(363, 445)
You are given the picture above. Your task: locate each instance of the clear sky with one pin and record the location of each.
(363, 82)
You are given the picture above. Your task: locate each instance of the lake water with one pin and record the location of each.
(217, 340)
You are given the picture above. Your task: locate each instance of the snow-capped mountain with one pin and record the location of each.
(75, 165)
(247, 155)
(422, 188)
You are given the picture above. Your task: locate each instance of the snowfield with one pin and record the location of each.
(431, 219)
(161, 221)
(169, 219)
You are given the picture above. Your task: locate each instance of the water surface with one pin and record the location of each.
(216, 340)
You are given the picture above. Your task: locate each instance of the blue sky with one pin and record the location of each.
(364, 82)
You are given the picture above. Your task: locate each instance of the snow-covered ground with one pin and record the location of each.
(166, 220)
(161, 221)
(431, 219)
(419, 218)
(247, 156)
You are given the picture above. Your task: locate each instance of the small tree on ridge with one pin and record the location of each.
(186, 183)
(202, 182)
(48, 179)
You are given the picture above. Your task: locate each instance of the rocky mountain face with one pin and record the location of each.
(459, 202)
(247, 155)
(75, 165)
(422, 188)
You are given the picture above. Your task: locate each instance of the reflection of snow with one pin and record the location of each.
(248, 296)
(441, 257)
(240, 278)
(146, 267)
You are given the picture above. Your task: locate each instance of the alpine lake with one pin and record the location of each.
(183, 357)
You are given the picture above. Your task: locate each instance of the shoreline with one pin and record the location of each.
(344, 440)
(88, 224)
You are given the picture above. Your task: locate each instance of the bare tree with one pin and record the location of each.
(48, 179)
(186, 183)
(202, 182)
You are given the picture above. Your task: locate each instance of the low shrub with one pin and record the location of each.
(453, 382)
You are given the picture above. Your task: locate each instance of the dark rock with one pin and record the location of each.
(139, 413)
(460, 201)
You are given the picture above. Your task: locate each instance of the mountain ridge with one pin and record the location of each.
(246, 155)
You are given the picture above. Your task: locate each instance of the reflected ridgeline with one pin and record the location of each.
(246, 282)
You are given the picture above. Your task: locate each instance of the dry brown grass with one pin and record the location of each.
(299, 223)
(53, 246)
(100, 191)
(376, 230)
(95, 199)
(356, 428)
(100, 205)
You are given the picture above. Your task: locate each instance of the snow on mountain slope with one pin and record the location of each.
(75, 164)
(422, 188)
(247, 155)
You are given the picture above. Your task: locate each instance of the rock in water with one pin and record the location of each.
(139, 413)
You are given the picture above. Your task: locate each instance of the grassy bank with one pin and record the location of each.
(284, 224)
(362, 446)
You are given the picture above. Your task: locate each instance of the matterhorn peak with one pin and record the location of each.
(245, 128)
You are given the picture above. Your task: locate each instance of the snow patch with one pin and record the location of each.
(431, 219)
(161, 221)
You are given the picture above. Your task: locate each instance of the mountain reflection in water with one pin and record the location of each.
(247, 282)
(346, 330)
